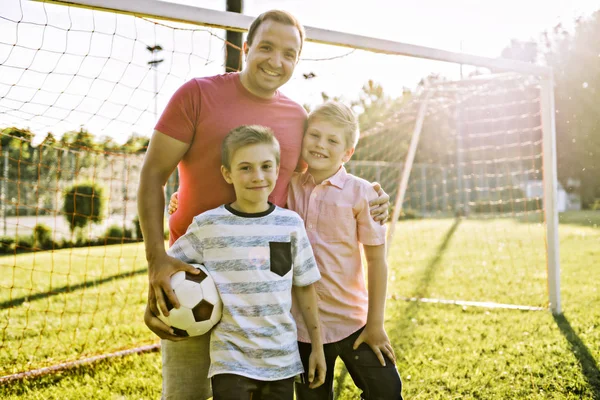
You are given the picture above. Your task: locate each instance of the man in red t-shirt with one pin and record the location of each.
(188, 135)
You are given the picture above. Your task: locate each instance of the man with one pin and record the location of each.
(189, 135)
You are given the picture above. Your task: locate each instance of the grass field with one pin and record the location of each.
(94, 300)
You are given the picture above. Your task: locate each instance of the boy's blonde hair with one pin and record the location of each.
(340, 115)
(247, 135)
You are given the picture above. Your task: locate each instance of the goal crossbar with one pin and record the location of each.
(157, 9)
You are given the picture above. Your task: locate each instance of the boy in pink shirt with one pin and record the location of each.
(335, 209)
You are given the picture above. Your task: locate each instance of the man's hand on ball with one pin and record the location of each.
(160, 271)
(161, 329)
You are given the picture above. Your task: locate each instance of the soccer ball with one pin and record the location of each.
(200, 305)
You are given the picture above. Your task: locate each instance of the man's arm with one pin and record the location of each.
(162, 156)
(306, 297)
(374, 333)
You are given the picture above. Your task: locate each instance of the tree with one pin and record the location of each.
(22, 163)
(136, 144)
(108, 145)
(80, 139)
(574, 58)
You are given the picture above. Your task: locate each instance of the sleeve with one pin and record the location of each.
(305, 265)
(178, 120)
(188, 248)
(370, 232)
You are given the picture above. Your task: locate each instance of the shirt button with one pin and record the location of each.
(314, 195)
(310, 226)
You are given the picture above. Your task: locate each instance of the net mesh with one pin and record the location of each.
(80, 91)
(472, 210)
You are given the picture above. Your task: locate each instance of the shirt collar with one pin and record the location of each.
(338, 179)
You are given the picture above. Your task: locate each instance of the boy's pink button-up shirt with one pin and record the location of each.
(336, 215)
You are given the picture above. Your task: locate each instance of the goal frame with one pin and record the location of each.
(161, 10)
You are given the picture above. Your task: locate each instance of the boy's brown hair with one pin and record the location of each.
(247, 135)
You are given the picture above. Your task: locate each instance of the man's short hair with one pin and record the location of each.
(283, 17)
(340, 115)
(247, 135)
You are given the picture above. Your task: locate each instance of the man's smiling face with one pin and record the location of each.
(271, 58)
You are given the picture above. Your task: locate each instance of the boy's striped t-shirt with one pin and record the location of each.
(254, 260)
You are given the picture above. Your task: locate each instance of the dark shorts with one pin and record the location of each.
(376, 381)
(237, 387)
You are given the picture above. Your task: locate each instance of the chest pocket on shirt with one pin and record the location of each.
(280, 257)
(336, 223)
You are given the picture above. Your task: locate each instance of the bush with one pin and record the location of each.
(138, 228)
(42, 237)
(115, 234)
(24, 243)
(6, 244)
(84, 203)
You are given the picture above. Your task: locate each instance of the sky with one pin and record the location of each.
(58, 76)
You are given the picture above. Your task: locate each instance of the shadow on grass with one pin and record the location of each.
(422, 288)
(69, 288)
(404, 326)
(431, 268)
(588, 364)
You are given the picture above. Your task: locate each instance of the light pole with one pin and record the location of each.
(154, 64)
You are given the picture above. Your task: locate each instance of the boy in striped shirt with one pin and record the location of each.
(257, 254)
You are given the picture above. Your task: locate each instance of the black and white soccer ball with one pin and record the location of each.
(200, 304)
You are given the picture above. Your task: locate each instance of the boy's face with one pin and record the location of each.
(253, 173)
(324, 147)
(272, 57)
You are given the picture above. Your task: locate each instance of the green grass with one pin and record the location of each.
(443, 351)
(62, 305)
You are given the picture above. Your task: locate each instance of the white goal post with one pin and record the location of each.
(231, 21)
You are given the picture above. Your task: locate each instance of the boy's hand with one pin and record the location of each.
(316, 362)
(173, 203)
(160, 271)
(378, 341)
(380, 206)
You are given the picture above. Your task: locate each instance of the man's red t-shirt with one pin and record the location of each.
(201, 113)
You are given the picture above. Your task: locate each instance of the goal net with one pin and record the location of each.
(80, 90)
